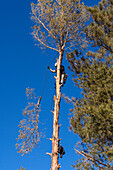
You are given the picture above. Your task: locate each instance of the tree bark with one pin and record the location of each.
(57, 99)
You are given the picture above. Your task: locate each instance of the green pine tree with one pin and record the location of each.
(100, 31)
(92, 117)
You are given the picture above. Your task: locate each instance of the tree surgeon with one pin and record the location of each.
(61, 151)
(63, 75)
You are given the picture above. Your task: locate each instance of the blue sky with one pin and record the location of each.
(22, 65)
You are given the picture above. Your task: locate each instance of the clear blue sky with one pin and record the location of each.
(24, 65)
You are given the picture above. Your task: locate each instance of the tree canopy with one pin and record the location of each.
(100, 31)
(92, 117)
(59, 23)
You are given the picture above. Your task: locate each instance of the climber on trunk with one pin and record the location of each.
(61, 151)
(63, 75)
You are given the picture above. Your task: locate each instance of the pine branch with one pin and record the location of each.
(88, 157)
(46, 45)
(29, 132)
(66, 37)
(48, 30)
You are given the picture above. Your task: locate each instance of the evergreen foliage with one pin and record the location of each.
(92, 117)
(100, 31)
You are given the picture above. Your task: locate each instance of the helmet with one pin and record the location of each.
(55, 64)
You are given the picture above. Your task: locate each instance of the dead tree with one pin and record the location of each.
(58, 26)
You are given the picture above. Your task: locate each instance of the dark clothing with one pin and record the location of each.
(63, 75)
(62, 70)
(61, 151)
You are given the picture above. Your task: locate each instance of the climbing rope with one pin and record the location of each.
(44, 83)
(46, 75)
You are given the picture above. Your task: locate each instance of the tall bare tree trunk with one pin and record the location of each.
(57, 99)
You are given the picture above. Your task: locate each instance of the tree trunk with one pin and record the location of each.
(57, 99)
